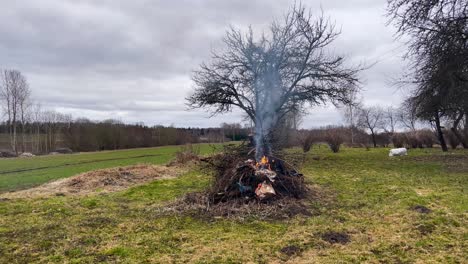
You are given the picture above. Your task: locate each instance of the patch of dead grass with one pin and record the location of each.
(198, 205)
(102, 181)
(452, 162)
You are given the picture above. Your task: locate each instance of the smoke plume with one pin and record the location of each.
(267, 101)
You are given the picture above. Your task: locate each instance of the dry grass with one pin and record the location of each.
(105, 180)
(199, 205)
(451, 162)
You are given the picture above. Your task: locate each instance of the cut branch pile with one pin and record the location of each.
(240, 178)
(244, 189)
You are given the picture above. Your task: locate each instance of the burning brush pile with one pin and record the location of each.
(243, 187)
(268, 179)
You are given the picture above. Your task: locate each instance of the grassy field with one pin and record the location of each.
(369, 197)
(28, 172)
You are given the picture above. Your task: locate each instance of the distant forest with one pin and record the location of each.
(85, 135)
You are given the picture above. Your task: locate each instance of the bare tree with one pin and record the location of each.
(15, 94)
(351, 111)
(274, 74)
(36, 118)
(407, 116)
(438, 52)
(389, 120)
(371, 118)
(24, 107)
(53, 123)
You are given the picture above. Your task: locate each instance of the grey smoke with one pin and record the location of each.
(267, 100)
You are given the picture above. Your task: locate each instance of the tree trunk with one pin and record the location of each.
(31, 138)
(38, 138)
(374, 141)
(465, 127)
(23, 143)
(455, 131)
(14, 144)
(440, 133)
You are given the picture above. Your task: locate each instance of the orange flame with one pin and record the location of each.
(263, 162)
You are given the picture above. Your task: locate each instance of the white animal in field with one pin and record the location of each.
(398, 152)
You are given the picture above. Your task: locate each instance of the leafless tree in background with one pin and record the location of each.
(53, 123)
(15, 93)
(25, 114)
(389, 120)
(231, 131)
(36, 118)
(275, 74)
(371, 118)
(351, 111)
(406, 115)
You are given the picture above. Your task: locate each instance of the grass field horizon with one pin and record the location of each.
(370, 197)
(22, 173)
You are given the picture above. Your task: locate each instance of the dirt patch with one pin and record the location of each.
(105, 180)
(426, 228)
(420, 209)
(333, 237)
(290, 250)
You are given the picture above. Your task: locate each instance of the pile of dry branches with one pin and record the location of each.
(238, 176)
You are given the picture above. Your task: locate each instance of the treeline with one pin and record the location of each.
(84, 135)
(383, 125)
(336, 136)
(61, 131)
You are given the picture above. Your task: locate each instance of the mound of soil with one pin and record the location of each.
(420, 209)
(290, 250)
(425, 228)
(336, 237)
(105, 180)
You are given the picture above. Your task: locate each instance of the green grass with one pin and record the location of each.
(41, 169)
(370, 196)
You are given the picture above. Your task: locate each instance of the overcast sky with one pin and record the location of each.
(132, 60)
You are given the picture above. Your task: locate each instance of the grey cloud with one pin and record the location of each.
(134, 59)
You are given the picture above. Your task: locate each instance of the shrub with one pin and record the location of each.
(412, 140)
(187, 153)
(334, 138)
(383, 139)
(306, 140)
(427, 138)
(398, 140)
